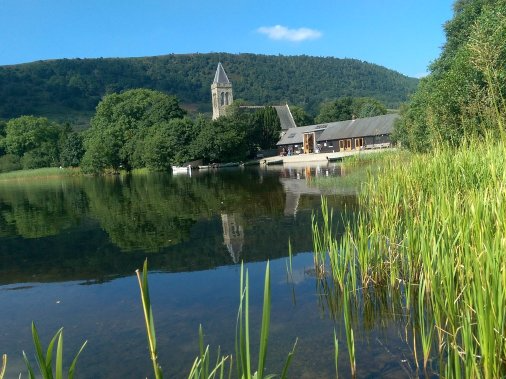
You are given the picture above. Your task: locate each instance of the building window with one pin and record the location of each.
(359, 143)
(222, 98)
(341, 145)
(348, 144)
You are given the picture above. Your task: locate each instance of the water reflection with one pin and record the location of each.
(233, 234)
(95, 229)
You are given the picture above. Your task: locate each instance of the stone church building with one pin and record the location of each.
(221, 91)
(222, 97)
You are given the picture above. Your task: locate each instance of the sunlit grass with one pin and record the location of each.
(48, 172)
(433, 228)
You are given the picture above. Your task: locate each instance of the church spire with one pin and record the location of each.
(220, 76)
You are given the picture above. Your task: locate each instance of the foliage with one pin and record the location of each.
(243, 352)
(36, 140)
(9, 162)
(465, 93)
(264, 129)
(201, 368)
(2, 137)
(300, 116)
(45, 363)
(4, 366)
(72, 150)
(120, 126)
(347, 108)
(223, 139)
(148, 318)
(430, 231)
(169, 144)
(72, 88)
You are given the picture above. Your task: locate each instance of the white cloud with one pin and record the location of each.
(279, 32)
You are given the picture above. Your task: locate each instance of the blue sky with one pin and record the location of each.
(403, 35)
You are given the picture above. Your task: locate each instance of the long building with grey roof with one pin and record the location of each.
(362, 133)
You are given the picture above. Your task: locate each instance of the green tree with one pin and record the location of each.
(465, 92)
(300, 116)
(72, 150)
(264, 129)
(222, 140)
(2, 137)
(35, 140)
(337, 110)
(169, 144)
(121, 124)
(347, 108)
(368, 107)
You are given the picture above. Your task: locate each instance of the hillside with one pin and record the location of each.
(69, 89)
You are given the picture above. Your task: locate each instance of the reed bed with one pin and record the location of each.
(433, 229)
(48, 172)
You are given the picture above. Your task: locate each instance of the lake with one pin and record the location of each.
(69, 249)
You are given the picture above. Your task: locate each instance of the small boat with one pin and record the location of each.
(274, 162)
(181, 169)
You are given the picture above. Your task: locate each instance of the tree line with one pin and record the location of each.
(70, 89)
(142, 128)
(136, 129)
(464, 96)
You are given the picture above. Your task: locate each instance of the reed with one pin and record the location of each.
(38, 173)
(336, 354)
(149, 320)
(45, 362)
(433, 227)
(202, 368)
(4, 366)
(243, 351)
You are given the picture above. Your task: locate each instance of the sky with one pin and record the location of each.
(402, 35)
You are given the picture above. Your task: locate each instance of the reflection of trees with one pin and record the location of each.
(177, 216)
(156, 211)
(37, 210)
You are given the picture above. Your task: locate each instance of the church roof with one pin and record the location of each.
(285, 117)
(220, 76)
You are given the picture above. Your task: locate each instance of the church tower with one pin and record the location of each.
(221, 91)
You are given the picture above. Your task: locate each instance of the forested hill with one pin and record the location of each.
(71, 88)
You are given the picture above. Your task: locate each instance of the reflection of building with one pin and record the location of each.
(233, 234)
(297, 182)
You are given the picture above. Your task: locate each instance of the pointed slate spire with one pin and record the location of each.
(220, 76)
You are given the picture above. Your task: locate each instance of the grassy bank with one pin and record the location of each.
(432, 231)
(47, 172)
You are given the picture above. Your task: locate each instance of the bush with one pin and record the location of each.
(9, 162)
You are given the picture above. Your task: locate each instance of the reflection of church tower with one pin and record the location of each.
(221, 91)
(233, 234)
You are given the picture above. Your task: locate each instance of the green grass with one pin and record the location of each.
(432, 229)
(48, 172)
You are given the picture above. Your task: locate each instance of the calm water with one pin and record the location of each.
(69, 249)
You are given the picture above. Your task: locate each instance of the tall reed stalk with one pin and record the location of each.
(4, 366)
(149, 320)
(435, 223)
(45, 361)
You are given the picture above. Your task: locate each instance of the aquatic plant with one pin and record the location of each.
(244, 370)
(431, 228)
(4, 366)
(148, 318)
(45, 362)
(202, 368)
